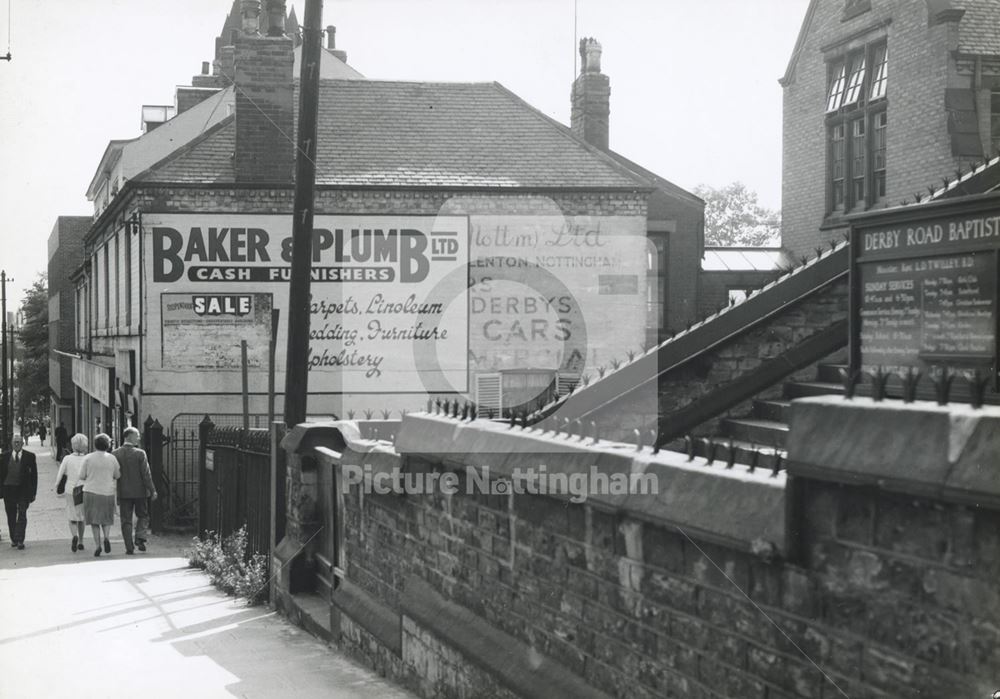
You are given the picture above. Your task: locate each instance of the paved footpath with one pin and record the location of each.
(76, 626)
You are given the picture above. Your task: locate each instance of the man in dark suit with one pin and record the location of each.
(18, 485)
(62, 441)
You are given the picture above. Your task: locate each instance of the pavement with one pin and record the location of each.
(76, 626)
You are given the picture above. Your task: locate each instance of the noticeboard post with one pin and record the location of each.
(924, 287)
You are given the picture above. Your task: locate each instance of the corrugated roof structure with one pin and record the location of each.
(745, 260)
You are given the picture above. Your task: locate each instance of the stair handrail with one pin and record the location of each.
(722, 399)
(704, 336)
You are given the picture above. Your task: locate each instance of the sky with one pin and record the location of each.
(694, 85)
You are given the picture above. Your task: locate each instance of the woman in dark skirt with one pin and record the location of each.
(98, 474)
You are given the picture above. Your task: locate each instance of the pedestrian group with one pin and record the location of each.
(90, 482)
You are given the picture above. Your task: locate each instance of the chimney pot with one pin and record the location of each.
(275, 17)
(204, 67)
(590, 55)
(331, 37)
(250, 12)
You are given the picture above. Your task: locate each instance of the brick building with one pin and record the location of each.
(65, 252)
(187, 253)
(883, 98)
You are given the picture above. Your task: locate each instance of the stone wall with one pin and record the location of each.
(878, 592)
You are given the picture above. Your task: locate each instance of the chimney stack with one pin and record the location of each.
(331, 43)
(264, 126)
(204, 67)
(591, 97)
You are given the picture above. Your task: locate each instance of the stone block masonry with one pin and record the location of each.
(884, 593)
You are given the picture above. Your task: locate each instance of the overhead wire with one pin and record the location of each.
(10, 25)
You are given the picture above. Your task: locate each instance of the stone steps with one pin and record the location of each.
(759, 437)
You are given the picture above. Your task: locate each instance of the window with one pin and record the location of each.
(857, 77)
(856, 129)
(881, 75)
(836, 88)
(878, 156)
(105, 273)
(128, 275)
(94, 295)
(994, 123)
(118, 277)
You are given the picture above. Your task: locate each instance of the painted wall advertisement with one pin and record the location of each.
(400, 304)
(555, 292)
(387, 294)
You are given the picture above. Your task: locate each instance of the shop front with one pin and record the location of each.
(94, 382)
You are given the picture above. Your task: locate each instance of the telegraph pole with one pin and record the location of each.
(12, 405)
(297, 352)
(5, 409)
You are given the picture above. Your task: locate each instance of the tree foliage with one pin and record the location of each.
(33, 371)
(733, 217)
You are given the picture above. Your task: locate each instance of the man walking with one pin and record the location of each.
(134, 486)
(62, 441)
(18, 485)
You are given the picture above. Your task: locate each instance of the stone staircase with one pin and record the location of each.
(758, 438)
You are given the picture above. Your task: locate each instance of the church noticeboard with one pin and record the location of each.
(924, 287)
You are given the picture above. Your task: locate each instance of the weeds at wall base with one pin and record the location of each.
(229, 565)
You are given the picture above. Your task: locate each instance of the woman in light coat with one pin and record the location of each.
(98, 475)
(70, 467)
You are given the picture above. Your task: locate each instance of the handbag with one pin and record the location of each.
(61, 486)
(78, 495)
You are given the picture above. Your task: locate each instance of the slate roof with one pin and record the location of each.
(979, 29)
(450, 135)
(206, 160)
(132, 158)
(415, 134)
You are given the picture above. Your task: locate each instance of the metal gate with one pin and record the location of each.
(237, 485)
(181, 470)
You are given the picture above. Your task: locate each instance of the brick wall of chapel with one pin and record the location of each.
(918, 148)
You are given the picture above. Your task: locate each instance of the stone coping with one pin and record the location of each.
(729, 506)
(950, 452)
